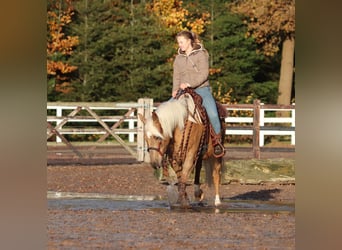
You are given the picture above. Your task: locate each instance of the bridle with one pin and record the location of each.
(165, 160)
(163, 155)
(156, 149)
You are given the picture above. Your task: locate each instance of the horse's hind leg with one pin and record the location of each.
(198, 193)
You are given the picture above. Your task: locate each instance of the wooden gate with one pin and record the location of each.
(66, 115)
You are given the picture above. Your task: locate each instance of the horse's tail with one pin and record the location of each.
(209, 168)
(209, 163)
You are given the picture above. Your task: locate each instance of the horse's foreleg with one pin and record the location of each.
(183, 198)
(216, 179)
(183, 178)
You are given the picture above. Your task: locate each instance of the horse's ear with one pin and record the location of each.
(142, 118)
(155, 117)
(156, 122)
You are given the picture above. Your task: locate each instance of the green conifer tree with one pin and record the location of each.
(123, 53)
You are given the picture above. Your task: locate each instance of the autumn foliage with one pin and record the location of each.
(59, 45)
(174, 16)
(96, 50)
(269, 21)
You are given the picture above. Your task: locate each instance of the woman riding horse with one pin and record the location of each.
(176, 137)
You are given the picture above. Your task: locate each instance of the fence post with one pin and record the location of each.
(256, 129)
(293, 124)
(131, 126)
(293, 117)
(145, 108)
(59, 113)
(261, 123)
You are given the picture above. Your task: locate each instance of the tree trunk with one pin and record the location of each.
(85, 76)
(286, 73)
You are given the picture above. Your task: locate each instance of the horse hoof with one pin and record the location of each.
(217, 201)
(199, 199)
(187, 206)
(172, 194)
(184, 203)
(199, 195)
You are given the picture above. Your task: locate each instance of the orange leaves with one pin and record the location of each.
(174, 16)
(59, 67)
(213, 71)
(57, 42)
(170, 12)
(59, 70)
(223, 98)
(65, 87)
(198, 25)
(60, 46)
(268, 21)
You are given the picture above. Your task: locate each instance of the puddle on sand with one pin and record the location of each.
(247, 206)
(84, 204)
(227, 206)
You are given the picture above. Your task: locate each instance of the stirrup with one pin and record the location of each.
(218, 150)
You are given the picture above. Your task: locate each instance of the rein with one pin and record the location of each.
(198, 106)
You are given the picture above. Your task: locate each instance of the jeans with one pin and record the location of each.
(210, 106)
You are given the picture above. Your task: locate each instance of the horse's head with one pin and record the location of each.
(157, 142)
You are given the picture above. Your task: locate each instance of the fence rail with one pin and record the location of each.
(105, 119)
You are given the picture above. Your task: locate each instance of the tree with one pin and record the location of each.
(126, 50)
(233, 56)
(123, 52)
(59, 46)
(173, 15)
(272, 24)
(234, 63)
(93, 56)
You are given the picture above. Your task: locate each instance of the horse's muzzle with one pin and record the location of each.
(155, 165)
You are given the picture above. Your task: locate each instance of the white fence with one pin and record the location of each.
(130, 123)
(61, 108)
(255, 119)
(286, 125)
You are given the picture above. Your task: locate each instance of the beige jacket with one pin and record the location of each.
(192, 69)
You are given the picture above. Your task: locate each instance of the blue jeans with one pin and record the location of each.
(210, 106)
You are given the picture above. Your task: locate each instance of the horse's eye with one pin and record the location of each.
(158, 138)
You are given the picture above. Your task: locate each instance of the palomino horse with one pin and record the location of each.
(175, 136)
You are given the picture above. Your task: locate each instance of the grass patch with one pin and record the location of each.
(251, 172)
(258, 171)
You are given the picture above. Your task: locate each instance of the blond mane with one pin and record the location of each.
(171, 114)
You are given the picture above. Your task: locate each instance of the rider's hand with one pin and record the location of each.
(174, 93)
(184, 85)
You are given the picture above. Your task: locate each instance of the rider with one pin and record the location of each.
(191, 69)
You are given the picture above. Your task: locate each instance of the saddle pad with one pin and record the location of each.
(194, 115)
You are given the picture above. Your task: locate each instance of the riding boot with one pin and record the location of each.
(218, 147)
